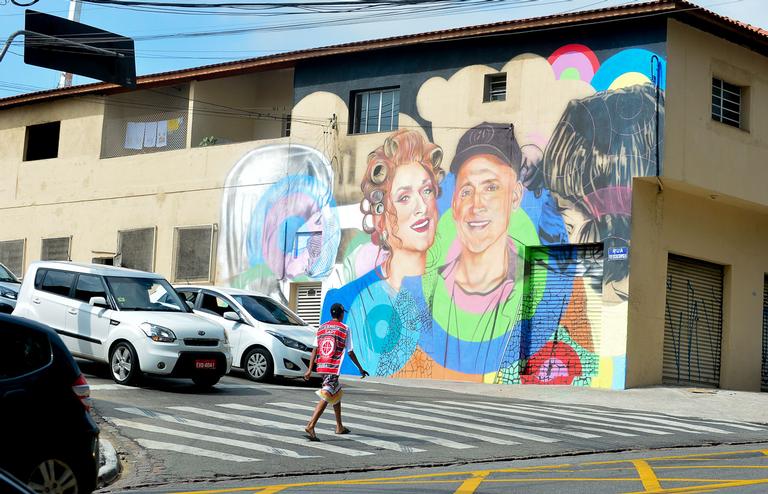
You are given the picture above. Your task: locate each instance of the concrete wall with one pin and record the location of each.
(220, 106)
(712, 207)
(91, 199)
(685, 221)
(700, 151)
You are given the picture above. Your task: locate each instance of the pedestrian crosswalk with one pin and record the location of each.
(238, 432)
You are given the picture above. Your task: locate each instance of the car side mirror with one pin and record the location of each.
(190, 304)
(99, 302)
(231, 316)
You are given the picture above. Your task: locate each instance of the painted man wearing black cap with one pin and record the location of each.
(487, 169)
(333, 338)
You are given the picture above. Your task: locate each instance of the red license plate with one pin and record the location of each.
(205, 364)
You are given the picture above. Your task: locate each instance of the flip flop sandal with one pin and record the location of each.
(344, 431)
(310, 434)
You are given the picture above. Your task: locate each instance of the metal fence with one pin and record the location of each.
(143, 122)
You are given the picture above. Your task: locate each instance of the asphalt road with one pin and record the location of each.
(168, 432)
(731, 469)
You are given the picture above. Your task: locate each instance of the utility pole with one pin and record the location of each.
(75, 7)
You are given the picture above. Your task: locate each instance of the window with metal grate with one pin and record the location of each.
(495, 87)
(375, 111)
(136, 248)
(727, 103)
(194, 253)
(56, 249)
(12, 255)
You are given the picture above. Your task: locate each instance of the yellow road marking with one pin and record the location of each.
(647, 476)
(470, 485)
(704, 488)
(676, 457)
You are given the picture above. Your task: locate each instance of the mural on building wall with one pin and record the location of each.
(442, 255)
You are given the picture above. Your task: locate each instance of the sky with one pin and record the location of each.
(262, 35)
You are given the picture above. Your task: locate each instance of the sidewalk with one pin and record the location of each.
(685, 402)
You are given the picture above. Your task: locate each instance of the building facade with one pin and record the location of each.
(568, 200)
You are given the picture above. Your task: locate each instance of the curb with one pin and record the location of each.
(110, 466)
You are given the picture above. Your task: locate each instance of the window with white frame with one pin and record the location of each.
(136, 248)
(375, 110)
(193, 253)
(495, 87)
(12, 255)
(728, 103)
(56, 249)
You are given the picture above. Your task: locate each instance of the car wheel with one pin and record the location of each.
(124, 364)
(259, 366)
(205, 381)
(53, 476)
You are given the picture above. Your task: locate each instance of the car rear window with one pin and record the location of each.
(58, 282)
(22, 351)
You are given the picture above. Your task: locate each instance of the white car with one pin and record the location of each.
(267, 339)
(131, 319)
(9, 289)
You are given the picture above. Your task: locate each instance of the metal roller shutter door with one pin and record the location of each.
(308, 297)
(693, 322)
(764, 373)
(573, 277)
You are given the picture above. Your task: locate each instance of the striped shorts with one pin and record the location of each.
(330, 391)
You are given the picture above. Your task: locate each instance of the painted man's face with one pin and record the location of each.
(413, 200)
(487, 191)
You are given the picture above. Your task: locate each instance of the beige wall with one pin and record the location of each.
(699, 150)
(81, 120)
(218, 104)
(711, 204)
(689, 223)
(90, 198)
(94, 199)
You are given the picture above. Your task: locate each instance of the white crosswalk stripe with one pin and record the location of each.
(191, 450)
(468, 425)
(446, 443)
(609, 419)
(509, 422)
(376, 443)
(204, 437)
(480, 408)
(405, 426)
(217, 427)
(442, 442)
(254, 421)
(556, 414)
(681, 426)
(709, 422)
(369, 416)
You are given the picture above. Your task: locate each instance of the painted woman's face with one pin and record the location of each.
(413, 200)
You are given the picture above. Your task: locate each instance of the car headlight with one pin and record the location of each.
(226, 338)
(5, 292)
(290, 342)
(158, 333)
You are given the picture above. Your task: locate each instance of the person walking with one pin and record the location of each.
(332, 339)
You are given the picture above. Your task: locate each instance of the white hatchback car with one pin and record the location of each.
(131, 319)
(267, 339)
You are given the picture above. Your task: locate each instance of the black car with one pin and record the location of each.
(48, 438)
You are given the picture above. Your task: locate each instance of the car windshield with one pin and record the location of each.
(266, 310)
(145, 294)
(7, 276)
